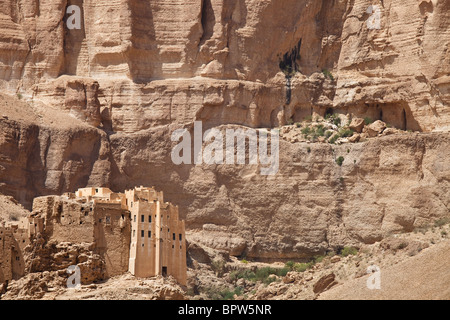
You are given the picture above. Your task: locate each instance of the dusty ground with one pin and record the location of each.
(413, 266)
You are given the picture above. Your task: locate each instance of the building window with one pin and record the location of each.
(134, 218)
(142, 233)
(96, 190)
(174, 237)
(134, 233)
(180, 237)
(150, 219)
(108, 220)
(149, 234)
(142, 218)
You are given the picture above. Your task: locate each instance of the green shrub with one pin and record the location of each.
(218, 266)
(337, 121)
(340, 161)
(368, 120)
(302, 267)
(318, 259)
(345, 133)
(306, 131)
(217, 293)
(334, 138)
(229, 294)
(347, 251)
(328, 74)
(260, 274)
(402, 245)
(320, 131)
(242, 274)
(441, 222)
(289, 265)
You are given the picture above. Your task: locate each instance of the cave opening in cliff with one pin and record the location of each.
(329, 112)
(405, 123)
(395, 114)
(208, 21)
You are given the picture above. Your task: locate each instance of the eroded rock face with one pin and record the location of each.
(343, 62)
(97, 106)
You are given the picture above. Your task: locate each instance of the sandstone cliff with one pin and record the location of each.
(97, 105)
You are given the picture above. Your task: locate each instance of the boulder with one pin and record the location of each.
(357, 125)
(376, 128)
(355, 138)
(325, 283)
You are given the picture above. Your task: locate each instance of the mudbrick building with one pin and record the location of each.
(135, 231)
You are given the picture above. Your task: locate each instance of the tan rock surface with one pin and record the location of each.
(11, 210)
(97, 106)
(389, 184)
(186, 45)
(423, 277)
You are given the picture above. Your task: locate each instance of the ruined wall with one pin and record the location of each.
(12, 263)
(100, 223)
(112, 234)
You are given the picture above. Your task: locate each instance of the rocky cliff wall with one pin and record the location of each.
(97, 105)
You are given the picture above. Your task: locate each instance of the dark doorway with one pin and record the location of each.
(404, 121)
(164, 271)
